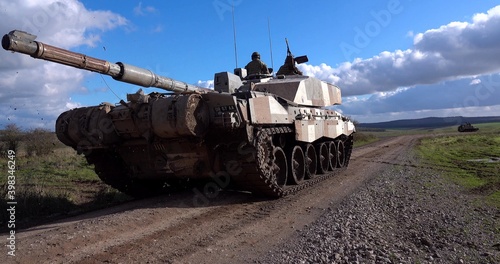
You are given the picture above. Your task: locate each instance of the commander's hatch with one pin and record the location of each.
(301, 59)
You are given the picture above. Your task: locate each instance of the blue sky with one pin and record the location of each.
(393, 59)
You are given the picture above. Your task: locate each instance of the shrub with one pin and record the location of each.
(39, 142)
(10, 138)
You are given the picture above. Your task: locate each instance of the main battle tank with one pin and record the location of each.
(467, 127)
(268, 135)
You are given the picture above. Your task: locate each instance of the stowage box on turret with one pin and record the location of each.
(267, 135)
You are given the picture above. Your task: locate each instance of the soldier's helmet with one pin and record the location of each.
(255, 55)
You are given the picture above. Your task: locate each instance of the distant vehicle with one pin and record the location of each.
(267, 135)
(467, 127)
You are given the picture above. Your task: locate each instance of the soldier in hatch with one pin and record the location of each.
(289, 67)
(256, 66)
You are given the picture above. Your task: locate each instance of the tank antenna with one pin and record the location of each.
(109, 87)
(270, 43)
(234, 36)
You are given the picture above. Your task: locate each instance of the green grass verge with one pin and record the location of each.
(55, 184)
(469, 159)
(364, 138)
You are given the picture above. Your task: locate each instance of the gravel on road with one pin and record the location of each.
(407, 214)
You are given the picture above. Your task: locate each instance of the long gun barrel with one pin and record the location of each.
(23, 42)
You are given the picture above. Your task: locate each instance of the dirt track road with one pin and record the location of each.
(187, 228)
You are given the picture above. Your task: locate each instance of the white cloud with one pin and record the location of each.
(140, 10)
(72, 105)
(436, 99)
(453, 51)
(34, 92)
(205, 84)
(157, 29)
(475, 81)
(447, 68)
(323, 72)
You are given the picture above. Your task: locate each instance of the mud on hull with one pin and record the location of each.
(273, 165)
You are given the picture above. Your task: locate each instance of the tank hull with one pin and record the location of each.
(259, 142)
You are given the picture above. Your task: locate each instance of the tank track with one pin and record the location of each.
(259, 176)
(110, 168)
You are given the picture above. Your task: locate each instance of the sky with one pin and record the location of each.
(392, 59)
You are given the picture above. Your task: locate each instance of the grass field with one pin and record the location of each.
(56, 184)
(471, 160)
(363, 138)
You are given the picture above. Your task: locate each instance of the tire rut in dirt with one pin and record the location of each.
(189, 236)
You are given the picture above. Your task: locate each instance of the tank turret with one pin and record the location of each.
(268, 135)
